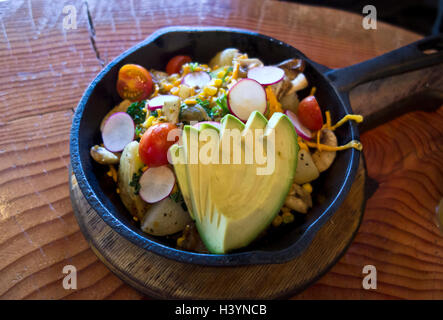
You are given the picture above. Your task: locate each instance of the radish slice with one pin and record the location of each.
(266, 75)
(246, 96)
(118, 131)
(214, 123)
(301, 130)
(156, 183)
(159, 101)
(196, 79)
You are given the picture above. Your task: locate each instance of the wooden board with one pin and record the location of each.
(160, 277)
(46, 69)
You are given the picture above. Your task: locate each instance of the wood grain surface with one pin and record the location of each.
(46, 69)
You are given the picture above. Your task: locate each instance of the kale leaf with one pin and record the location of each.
(137, 112)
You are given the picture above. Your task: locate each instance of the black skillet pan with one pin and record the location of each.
(333, 88)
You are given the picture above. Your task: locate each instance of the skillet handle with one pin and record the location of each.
(382, 80)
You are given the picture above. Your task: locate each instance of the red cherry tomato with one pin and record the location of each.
(175, 64)
(309, 113)
(154, 144)
(134, 82)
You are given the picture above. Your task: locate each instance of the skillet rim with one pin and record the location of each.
(232, 259)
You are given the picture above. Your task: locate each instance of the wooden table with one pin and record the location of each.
(45, 70)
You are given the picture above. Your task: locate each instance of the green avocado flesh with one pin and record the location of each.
(231, 185)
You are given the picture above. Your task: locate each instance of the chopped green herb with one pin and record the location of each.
(193, 65)
(153, 113)
(135, 181)
(177, 196)
(226, 74)
(222, 102)
(203, 103)
(137, 112)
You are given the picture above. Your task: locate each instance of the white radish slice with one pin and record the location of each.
(246, 96)
(156, 183)
(213, 123)
(301, 130)
(196, 79)
(266, 75)
(159, 101)
(118, 131)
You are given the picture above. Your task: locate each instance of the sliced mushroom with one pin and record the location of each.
(224, 58)
(298, 199)
(292, 67)
(158, 76)
(324, 159)
(103, 156)
(193, 113)
(247, 64)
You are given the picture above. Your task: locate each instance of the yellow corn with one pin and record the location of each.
(216, 82)
(148, 122)
(287, 217)
(176, 83)
(190, 101)
(167, 86)
(209, 90)
(307, 187)
(174, 91)
(277, 221)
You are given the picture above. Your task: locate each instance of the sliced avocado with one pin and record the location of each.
(241, 213)
(237, 203)
(178, 159)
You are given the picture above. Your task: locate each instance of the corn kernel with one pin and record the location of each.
(135, 218)
(216, 82)
(277, 221)
(190, 101)
(285, 209)
(307, 187)
(148, 122)
(221, 74)
(174, 91)
(209, 90)
(287, 217)
(176, 83)
(167, 86)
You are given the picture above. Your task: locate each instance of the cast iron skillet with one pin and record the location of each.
(201, 44)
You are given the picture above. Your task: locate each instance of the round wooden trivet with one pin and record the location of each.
(159, 277)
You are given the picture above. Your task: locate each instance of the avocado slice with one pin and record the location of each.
(239, 200)
(178, 158)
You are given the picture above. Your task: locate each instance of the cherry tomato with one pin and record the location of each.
(134, 82)
(175, 64)
(154, 144)
(309, 113)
